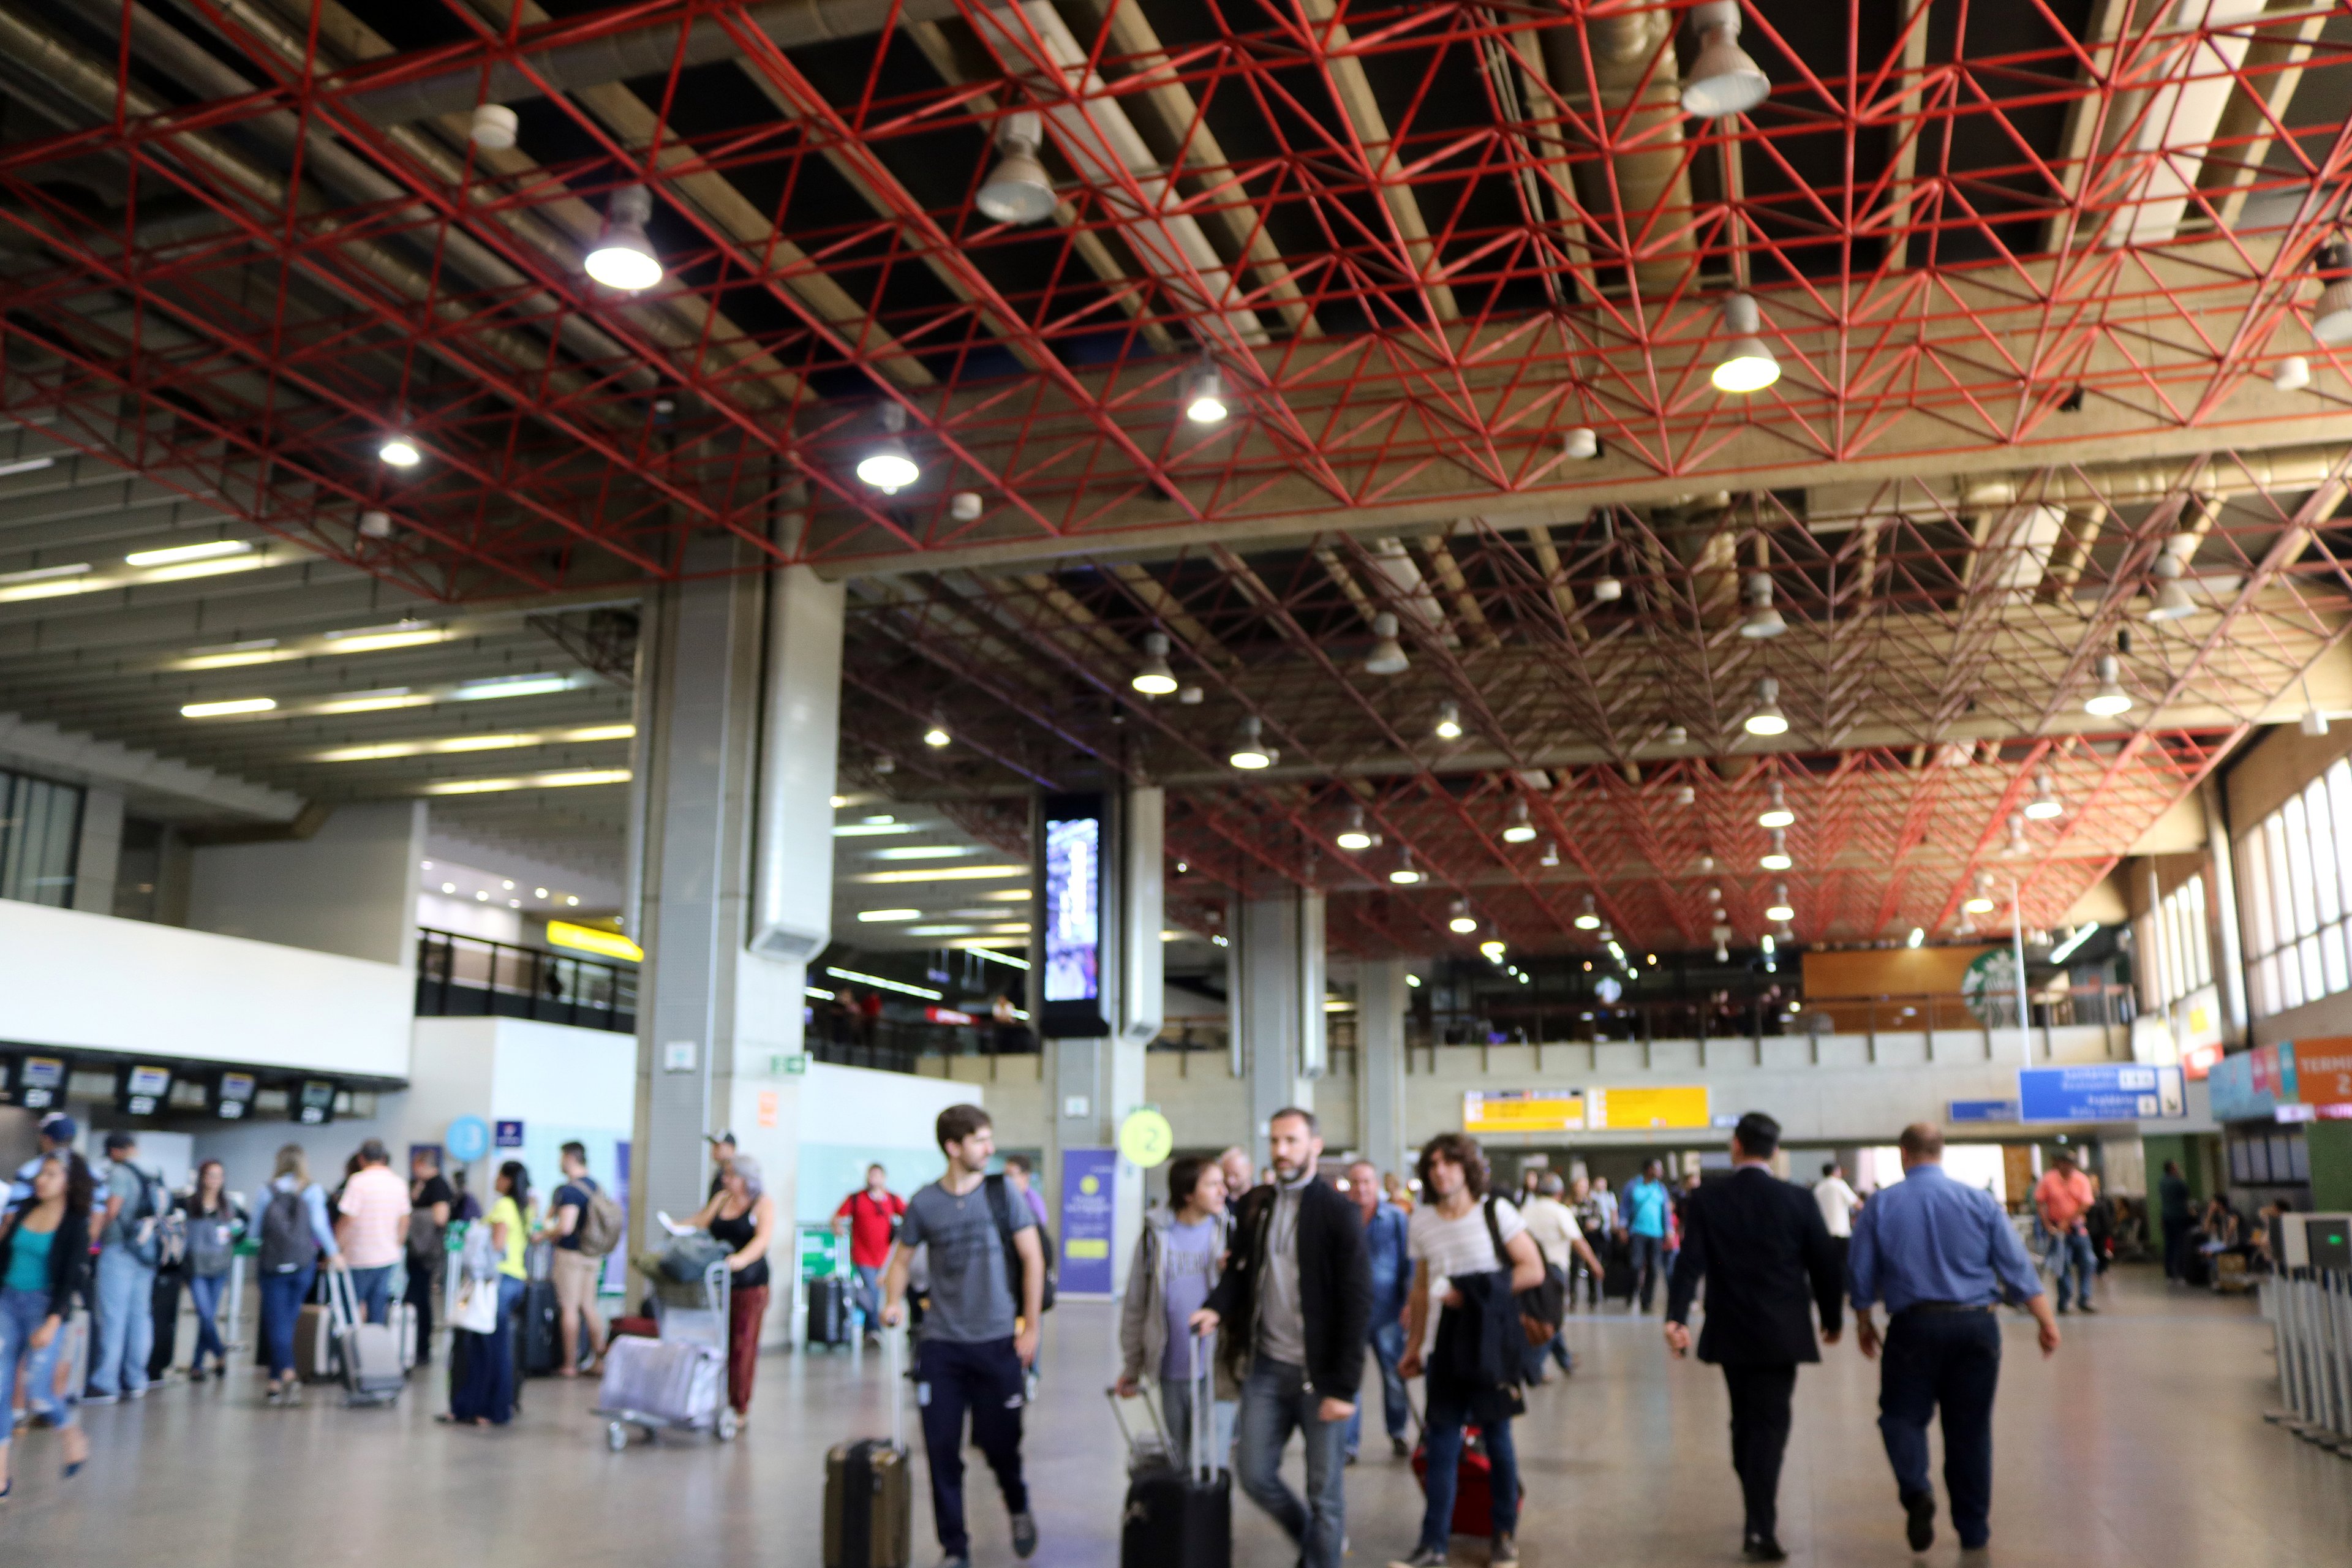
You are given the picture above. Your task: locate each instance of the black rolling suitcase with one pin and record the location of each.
(542, 1340)
(1181, 1515)
(869, 1490)
(165, 1302)
(828, 1311)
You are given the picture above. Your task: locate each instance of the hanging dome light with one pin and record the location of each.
(1406, 873)
(623, 258)
(1587, 918)
(1581, 445)
(1250, 752)
(2044, 805)
(2331, 319)
(1204, 396)
(1779, 907)
(1449, 722)
(1017, 190)
(1776, 813)
(1386, 657)
(2291, 374)
(888, 466)
(1153, 678)
(1747, 363)
(1722, 81)
(1550, 853)
(2171, 601)
(1464, 922)
(2110, 698)
(937, 735)
(1777, 857)
(1520, 830)
(1767, 719)
(1356, 835)
(1762, 620)
(400, 451)
(493, 128)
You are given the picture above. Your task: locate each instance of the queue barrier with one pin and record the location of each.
(2310, 1311)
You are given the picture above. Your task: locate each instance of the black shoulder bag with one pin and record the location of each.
(1542, 1308)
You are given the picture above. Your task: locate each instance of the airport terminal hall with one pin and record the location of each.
(1176, 783)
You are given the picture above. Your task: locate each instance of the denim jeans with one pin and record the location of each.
(1950, 1360)
(1176, 1409)
(204, 1291)
(373, 1289)
(282, 1296)
(2071, 1251)
(1449, 1413)
(1387, 1340)
(22, 1313)
(1275, 1402)
(126, 1322)
(866, 1293)
(1647, 1253)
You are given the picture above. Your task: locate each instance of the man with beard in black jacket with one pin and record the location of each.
(1298, 1289)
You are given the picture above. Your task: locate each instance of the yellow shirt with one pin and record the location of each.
(504, 1212)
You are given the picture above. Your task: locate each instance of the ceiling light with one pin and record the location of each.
(1153, 678)
(1204, 396)
(1762, 620)
(2312, 723)
(222, 710)
(2110, 698)
(494, 127)
(2065, 950)
(511, 686)
(376, 640)
(1722, 953)
(1685, 795)
(1449, 722)
(2331, 319)
(1581, 445)
(1464, 922)
(374, 524)
(1746, 365)
(15, 466)
(1494, 951)
(211, 550)
(1766, 943)
(400, 452)
(569, 779)
(1414, 981)
(888, 466)
(1607, 591)
(1776, 813)
(1779, 907)
(449, 887)
(45, 573)
(373, 702)
(506, 884)
(2017, 842)
(572, 902)
(873, 916)
(1386, 657)
(1550, 853)
(1017, 190)
(1191, 696)
(484, 897)
(1722, 81)
(230, 655)
(623, 258)
(1777, 857)
(937, 735)
(1405, 874)
(1520, 831)
(2044, 803)
(1586, 919)
(539, 892)
(2171, 602)
(965, 506)
(922, 852)
(1978, 905)
(1250, 751)
(1355, 836)
(1766, 717)
(1916, 937)
(2291, 374)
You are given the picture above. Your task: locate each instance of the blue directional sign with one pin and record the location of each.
(2107, 1091)
(1982, 1110)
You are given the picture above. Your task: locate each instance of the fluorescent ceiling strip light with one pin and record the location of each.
(937, 930)
(372, 702)
(944, 874)
(992, 955)
(511, 686)
(819, 992)
(385, 749)
(922, 852)
(45, 574)
(176, 554)
(377, 642)
(568, 780)
(15, 466)
(900, 987)
(231, 655)
(228, 709)
(871, 830)
(1005, 896)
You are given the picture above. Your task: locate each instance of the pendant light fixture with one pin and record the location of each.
(2045, 804)
(2110, 698)
(1520, 830)
(1449, 722)
(1777, 857)
(2331, 319)
(937, 735)
(1251, 753)
(1763, 619)
(1588, 919)
(1017, 190)
(1775, 812)
(1204, 396)
(1779, 907)
(1766, 718)
(400, 451)
(1464, 922)
(1722, 79)
(888, 466)
(1550, 853)
(1153, 678)
(1406, 873)
(623, 257)
(1746, 364)
(1386, 657)
(493, 127)
(1356, 835)
(2171, 601)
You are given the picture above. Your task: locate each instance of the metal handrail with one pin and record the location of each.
(459, 975)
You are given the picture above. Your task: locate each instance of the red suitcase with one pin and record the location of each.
(1474, 1483)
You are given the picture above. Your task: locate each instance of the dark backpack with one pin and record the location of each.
(142, 1220)
(1542, 1308)
(1000, 1208)
(286, 1243)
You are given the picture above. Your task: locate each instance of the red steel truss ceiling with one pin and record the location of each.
(2027, 266)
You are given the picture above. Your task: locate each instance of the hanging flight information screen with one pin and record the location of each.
(1072, 876)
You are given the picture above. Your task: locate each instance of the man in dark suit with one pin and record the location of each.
(1759, 1244)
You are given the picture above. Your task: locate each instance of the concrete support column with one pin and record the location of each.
(1382, 997)
(98, 858)
(1278, 1002)
(738, 723)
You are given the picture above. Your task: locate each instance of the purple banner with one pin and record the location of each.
(1090, 1207)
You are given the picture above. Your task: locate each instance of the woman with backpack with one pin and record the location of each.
(214, 1225)
(295, 1232)
(44, 1264)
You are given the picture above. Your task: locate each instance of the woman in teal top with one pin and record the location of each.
(44, 1262)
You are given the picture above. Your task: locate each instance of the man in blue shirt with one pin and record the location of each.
(1646, 1203)
(1384, 1245)
(1941, 1255)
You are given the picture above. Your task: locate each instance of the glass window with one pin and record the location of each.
(40, 839)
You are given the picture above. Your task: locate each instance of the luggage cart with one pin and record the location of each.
(695, 1316)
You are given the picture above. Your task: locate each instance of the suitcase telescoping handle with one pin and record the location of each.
(342, 1301)
(1204, 1413)
(894, 1357)
(1150, 1408)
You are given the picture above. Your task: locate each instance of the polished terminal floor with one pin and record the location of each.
(2142, 1443)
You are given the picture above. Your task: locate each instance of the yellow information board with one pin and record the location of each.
(1523, 1111)
(1647, 1110)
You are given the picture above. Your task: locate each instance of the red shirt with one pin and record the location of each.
(870, 1227)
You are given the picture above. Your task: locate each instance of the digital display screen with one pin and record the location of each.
(314, 1103)
(40, 1082)
(1073, 909)
(140, 1089)
(151, 1082)
(236, 1095)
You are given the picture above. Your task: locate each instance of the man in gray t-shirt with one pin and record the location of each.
(979, 1333)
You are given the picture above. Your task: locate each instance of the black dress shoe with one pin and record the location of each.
(1762, 1549)
(1919, 1520)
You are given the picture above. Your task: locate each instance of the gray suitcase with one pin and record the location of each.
(374, 1369)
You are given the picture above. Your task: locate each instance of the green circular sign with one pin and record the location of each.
(1144, 1139)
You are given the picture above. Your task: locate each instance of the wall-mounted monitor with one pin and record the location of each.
(40, 1082)
(141, 1088)
(314, 1101)
(1075, 839)
(233, 1096)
